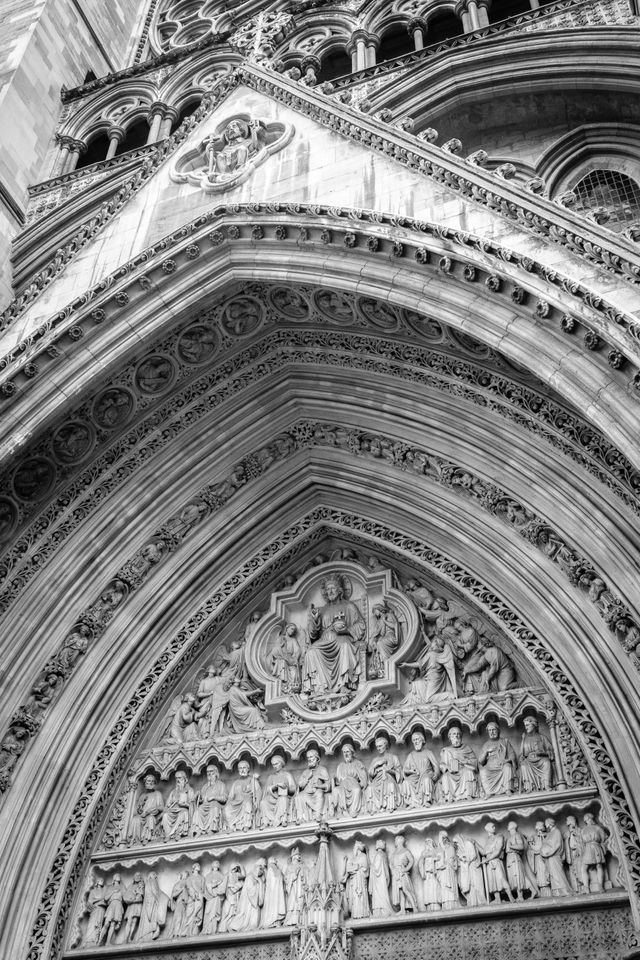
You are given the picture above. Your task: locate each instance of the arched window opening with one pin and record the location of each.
(503, 9)
(95, 152)
(185, 112)
(136, 136)
(334, 64)
(612, 191)
(395, 42)
(442, 27)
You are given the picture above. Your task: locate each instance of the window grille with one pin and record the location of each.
(612, 191)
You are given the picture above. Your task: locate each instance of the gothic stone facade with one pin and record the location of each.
(319, 481)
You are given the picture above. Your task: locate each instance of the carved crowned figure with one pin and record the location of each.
(331, 663)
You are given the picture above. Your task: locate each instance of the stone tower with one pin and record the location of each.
(320, 480)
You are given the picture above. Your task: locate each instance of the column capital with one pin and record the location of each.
(360, 35)
(310, 63)
(77, 146)
(159, 108)
(116, 133)
(63, 140)
(416, 23)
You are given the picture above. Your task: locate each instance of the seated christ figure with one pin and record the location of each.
(331, 662)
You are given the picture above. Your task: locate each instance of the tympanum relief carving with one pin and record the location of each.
(366, 744)
(229, 156)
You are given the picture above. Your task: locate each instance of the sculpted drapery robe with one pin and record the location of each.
(247, 915)
(536, 754)
(379, 878)
(351, 779)
(154, 910)
(552, 849)
(383, 792)
(497, 767)
(459, 776)
(420, 771)
(331, 661)
(356, 883)
(235, 883)
(207, 816)
(215, 887)
(275, 902)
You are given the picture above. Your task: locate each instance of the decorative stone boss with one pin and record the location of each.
(229, 154)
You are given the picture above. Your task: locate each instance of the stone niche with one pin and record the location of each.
(368, 755)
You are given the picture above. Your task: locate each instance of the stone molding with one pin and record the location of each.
(232, 223)
(231, 596)
(513, 401)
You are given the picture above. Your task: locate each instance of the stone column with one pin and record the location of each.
(551, 712)
(357, 47)
(154, 117)
(417, 29)
(76, 147)
(472, 9)
(462, 11)
(64, 144)
(370, 53)
(483, 13)
(534, 4)
(116, 136)
(171, 115)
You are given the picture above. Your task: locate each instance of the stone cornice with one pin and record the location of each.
(505, 199)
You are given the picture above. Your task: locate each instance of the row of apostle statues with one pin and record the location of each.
(447, 873)
(354, 789)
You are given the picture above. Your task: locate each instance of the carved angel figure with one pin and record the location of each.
(384, 638)
(286, 657)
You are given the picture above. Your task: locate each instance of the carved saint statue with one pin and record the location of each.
(313, 785)
(593, 858)
(448, 872)
(96, 906)
(497, 763)
(279, 788)
(244, 798)
(552, 851)
(573, 854)
(154, 910)
(194, 907)
(428, 869)
(536, 756)
(133, 896)
(235, 883)
(215, 888)
(403, 894)
(537, 862)
(519, 873)
(350, 781)
(207, 816)
(385, 773)
(115, 910)
(384, 638)
(493, 857)
(149, 807)
(355, 881)
(436, 677)
(179, 808)
(331, 663)
(420, 773)
(459, 766)
(489, 668)
(470, 878)
(247, 915)
(294, 882)
(275, 900)
(379, 878)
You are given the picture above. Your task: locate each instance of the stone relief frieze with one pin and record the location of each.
(234, 595)
(229, 156)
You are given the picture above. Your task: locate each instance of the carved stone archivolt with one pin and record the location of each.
(366, 749)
